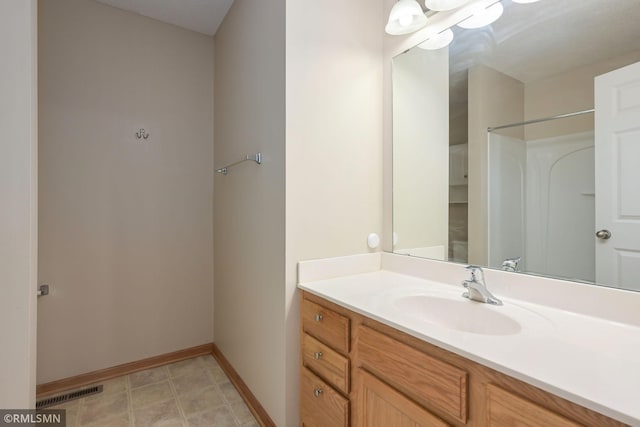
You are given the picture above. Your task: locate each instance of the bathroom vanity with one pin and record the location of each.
(388, 340)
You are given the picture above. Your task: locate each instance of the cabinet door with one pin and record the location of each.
(429, 381)
(382, 406)
(507, 410)
(458, 164)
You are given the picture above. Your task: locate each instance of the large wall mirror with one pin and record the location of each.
(517, 147)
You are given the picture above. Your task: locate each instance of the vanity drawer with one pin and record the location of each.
(427, 380)
(321, 406)
(327, 363)
(326, 325)
(505, 409)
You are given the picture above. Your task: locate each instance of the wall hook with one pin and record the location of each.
(142, 134)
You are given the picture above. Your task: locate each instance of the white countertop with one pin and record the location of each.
(592, 361)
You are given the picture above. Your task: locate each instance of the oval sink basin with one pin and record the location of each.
(462, 315)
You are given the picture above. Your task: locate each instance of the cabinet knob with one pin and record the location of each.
(318, 317)
(317, 392)
(317, 355)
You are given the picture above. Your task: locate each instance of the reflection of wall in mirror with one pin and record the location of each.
(565, 93)
(493, 98)
(421, 152)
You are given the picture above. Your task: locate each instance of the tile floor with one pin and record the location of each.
(191, 393)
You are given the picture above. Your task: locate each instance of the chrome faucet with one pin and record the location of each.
(477, 289)
(511, 264)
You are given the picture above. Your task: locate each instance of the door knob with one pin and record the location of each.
(603, 234)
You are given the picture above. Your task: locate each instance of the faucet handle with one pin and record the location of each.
(476, 272)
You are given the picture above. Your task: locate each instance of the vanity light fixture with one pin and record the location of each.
(440, 40)
(483, 17)
(441, 5)
(405, 17)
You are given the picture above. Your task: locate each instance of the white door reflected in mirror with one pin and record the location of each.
(617, 97)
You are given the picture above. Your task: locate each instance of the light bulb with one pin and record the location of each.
(483, 17)
(405, 17)
(405, 21)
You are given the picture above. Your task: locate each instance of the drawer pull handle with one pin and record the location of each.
(318, 317)
(317, 355)
(317, 392)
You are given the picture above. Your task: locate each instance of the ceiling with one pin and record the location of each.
(534, 41)
(203, 16)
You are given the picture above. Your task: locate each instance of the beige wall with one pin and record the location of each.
(18, 192)
(494, 99)
(334, 142)
(249, 201)
(333, 170)
(125, 224)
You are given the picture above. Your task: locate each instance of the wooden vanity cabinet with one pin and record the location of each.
(373, 375)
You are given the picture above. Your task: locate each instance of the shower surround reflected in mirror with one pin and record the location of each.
(542, 203)
(465, 194)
